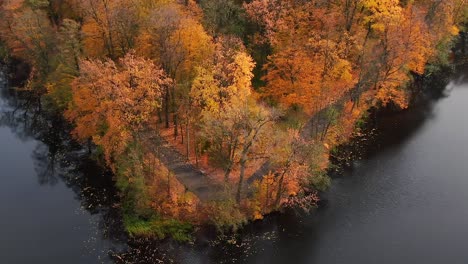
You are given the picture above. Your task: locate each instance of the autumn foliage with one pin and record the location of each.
(112, 103)
(253, 93)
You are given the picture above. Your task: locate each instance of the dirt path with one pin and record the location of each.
(191, 177)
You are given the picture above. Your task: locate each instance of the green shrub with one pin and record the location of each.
(3, 53)
(226, 215)
(320, 181)
(158, 228)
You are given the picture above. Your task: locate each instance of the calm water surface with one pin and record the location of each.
(53, 202)
(406, 203)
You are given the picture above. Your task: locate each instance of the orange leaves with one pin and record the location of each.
(264, 199)
(12, 4)
(311, 77)
(265, 13)
(175, 38)
(168, 196)
(314, 54)
(405, 48)
(28, 34)
(292, 79)
(395, 95)
(141, 88)
(110, 27)
(112, 102)
(309, 67)
(93, 44)
(314, 63)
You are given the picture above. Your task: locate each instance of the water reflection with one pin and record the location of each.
(58, 160)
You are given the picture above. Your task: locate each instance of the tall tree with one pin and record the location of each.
(113, 102)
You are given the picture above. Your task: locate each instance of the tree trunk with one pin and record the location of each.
(357, 91)
(227, 173)
(196, 156)
(182, 135)
(169, 185)
(174, 109)
(267, 195)
(166, 107)
(325, 131)
(463, 41)
(280, 189)
(90, 142)
(232, 152)
(160, 119)
(176, 126)
(241, 179)
(187, 139)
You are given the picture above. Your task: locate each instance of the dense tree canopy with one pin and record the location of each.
(255, 93)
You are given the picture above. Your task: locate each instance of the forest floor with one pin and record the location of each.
(196, 173)
(190, 176)
(194, 180)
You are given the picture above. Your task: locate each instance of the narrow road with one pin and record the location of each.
(191, 177)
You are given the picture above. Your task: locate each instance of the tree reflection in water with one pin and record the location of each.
(57, 158)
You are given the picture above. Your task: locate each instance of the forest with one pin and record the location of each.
(222, 111)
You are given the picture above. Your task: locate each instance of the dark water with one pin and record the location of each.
(55, 205)
(406, 203)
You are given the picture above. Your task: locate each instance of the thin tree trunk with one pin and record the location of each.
(241, 179)
(187, 139)
(166, 107)
(463, 40)
(196, 154)
(160, 119)
(357, 92)
(176, 130)
(325, 131)
(280, 189)
(227, 173)
(168, 185)
(182, 134)
(267, 198)
(174, 109)
(232, 152)
(89, 145)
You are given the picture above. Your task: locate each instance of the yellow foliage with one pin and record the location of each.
(454, 30)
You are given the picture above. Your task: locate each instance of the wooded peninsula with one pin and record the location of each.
(220, 112)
